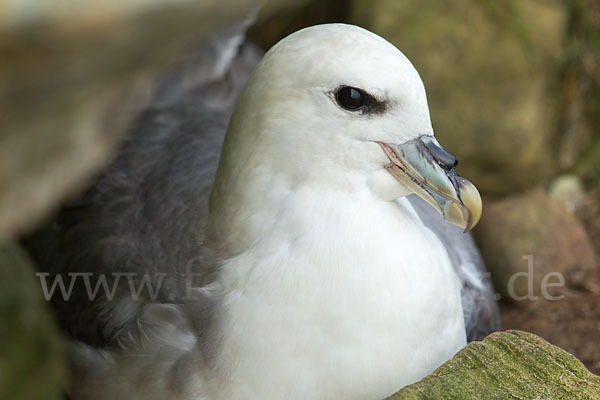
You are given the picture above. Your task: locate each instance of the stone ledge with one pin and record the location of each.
(508, 365)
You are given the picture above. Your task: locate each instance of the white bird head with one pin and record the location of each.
(339, 106)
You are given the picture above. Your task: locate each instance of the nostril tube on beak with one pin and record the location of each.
(441, 155)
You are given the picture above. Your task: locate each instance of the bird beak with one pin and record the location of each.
(427, 169)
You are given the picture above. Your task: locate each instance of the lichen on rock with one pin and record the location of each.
(508, 365)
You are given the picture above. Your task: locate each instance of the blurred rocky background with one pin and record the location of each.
(513, 88)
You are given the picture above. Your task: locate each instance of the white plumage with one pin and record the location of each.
(329, 285)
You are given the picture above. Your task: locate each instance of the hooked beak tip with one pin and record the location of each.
(471, 204)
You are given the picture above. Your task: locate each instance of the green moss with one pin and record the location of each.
(31, 360)
(508, 365)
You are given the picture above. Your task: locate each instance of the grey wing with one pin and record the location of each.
(480, 310)
(143, 216)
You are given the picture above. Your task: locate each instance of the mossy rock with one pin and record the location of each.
(31, 358)
(508, 365)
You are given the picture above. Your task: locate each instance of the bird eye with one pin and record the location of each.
(350, 98)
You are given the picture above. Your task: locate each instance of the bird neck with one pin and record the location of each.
(255, 191)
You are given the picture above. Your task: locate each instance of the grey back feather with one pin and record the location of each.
(144, 214)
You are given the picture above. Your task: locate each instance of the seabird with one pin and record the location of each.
(308, 269)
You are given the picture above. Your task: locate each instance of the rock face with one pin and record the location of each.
(72, 78)
(534, 226)
(31, 362)
(508, 365)
(487, 68)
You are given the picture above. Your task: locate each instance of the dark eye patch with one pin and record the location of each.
(357, 100)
